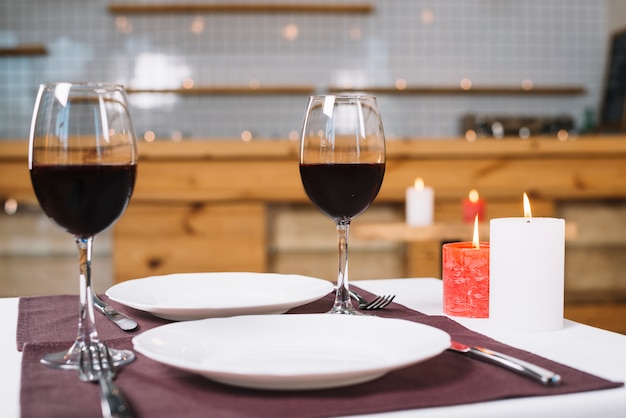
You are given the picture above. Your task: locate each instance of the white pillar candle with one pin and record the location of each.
(527, 258)
(420, 204)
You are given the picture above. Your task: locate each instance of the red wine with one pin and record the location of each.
(83, 199)
(342, 191)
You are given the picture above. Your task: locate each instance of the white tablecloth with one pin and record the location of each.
(586, 348)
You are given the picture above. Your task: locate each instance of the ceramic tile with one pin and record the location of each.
(425, 42)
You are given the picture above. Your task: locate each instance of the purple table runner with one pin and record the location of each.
(48, 324)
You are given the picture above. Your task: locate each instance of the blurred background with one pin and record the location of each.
(396, 44)
(443, 70)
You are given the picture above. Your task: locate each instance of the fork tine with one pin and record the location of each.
(387, 301)
(87, 364)
(110, 362)
(105, 362)
(372, 305)
(83, 366)
(380, 302)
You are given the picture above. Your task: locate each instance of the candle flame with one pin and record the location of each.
(473, 196)
(527, 213)
(475, 240)
(419, 183)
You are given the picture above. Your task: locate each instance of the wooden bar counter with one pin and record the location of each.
(202, 205)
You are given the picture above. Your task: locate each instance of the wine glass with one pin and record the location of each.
(342, 164)
(82, 160)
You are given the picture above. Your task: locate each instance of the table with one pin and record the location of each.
(586, 348)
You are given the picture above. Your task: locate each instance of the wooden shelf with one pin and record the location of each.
(307, 89)
(402, 232)
(163, 8)
(23, 50)
(479, 90)
(230, 90)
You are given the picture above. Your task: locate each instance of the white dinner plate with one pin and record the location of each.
(190, 296)
(292, 352)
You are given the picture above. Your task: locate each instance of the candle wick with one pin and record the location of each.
(528, 221)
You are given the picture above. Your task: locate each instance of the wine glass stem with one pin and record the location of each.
(86, 322)
(342, 297)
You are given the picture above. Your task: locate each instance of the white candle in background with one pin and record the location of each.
(420, 204)
(527, 258)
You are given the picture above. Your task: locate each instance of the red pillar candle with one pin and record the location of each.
(466, 278)
(473, 205)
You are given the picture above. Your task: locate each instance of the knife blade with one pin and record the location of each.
(121, 320)
(532, 371)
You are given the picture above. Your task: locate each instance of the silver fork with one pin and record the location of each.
(96, 365)
(378, 302)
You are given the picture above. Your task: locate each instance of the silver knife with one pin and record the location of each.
(544, 376)
(118, 318)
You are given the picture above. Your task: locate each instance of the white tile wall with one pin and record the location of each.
(425, 42)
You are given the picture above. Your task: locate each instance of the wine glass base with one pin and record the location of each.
(344, 310)
(68, 360)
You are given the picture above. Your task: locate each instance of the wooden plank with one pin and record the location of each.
(600, 224)
(609, 316)
(451, 210)
(15, 182)
(163, 239)
(194, 219)
(423, 259)
(264, 7)
(541, 178)
(419, 149)
(544, 179)
(214, 149)
(448, 231)
(50, 275)
(364, 265)
(289, 223)
(279, 180)
(222, 171)
(595, 273)
(29, 233)
(411, 148)
(592, 146)
(402, 232)
(198, 181)
(134, 258)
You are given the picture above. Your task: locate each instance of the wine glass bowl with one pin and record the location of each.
(82, 162)
(342, 164)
